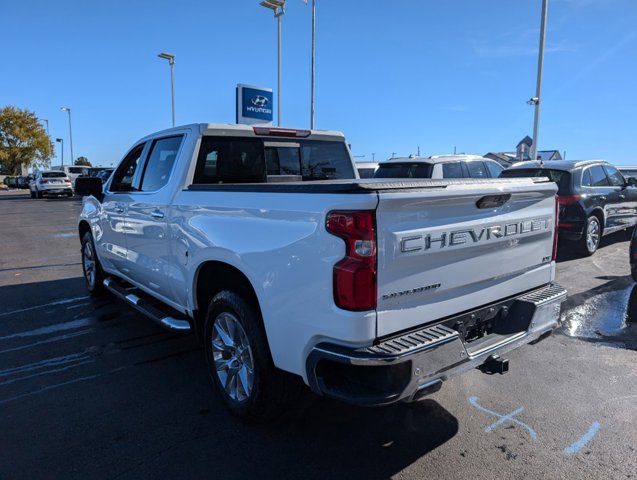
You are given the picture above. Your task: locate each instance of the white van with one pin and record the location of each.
(72, 171)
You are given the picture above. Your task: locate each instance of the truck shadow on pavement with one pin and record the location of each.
(151, 397)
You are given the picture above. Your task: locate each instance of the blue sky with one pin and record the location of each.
(392, 75)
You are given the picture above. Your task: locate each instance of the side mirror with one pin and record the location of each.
(86, 186)
(631, 182)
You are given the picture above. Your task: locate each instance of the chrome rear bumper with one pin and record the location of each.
(410, 365)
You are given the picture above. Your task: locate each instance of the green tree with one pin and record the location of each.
(83, 161)
(23, 140)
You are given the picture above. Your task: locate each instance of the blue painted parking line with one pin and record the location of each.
(503, 418)
(574, 448)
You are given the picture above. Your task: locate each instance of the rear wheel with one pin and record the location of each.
(239, 361)
(93, 274)
(38, 194)
(32, 194)
(591, 237)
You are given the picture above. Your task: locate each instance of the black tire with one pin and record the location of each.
(38, 194)
(267, 390)
(633, 273)
(32, 194)
(93, 273)
(591, 237)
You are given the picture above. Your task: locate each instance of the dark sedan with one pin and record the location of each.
(594, 198)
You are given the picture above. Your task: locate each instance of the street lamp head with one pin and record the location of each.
(65, 109)
(58, 139)
(533, 101)
(277, 6)
(167, 56)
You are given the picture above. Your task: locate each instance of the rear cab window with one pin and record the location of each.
(561, 177)
(256, 160)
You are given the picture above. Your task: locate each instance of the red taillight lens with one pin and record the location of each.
(67, 180)
(557, 210)
(281, 132)
(568, 199)
(355, 275)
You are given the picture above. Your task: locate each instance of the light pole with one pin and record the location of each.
(47, 124)
(68, 110)
(313, 64)
(61, 140)
(538, 90)
(171, 61)
(278, 7)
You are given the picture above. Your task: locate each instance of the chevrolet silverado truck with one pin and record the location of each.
(266, 244)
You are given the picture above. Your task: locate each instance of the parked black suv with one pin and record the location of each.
(594, 198)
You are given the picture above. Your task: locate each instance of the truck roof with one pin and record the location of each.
(233, 129)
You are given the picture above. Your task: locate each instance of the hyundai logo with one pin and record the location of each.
(259, 101)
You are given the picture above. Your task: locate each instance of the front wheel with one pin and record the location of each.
(38, 194)
(32, 194)
(238, 359)
(591, 237)
(93, 274)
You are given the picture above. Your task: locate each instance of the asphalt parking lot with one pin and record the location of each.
(91, 389)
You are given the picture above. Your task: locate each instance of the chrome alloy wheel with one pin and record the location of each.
(232, 355)
(88, 263)
(592, 234)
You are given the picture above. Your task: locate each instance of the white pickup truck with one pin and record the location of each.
(265, 243)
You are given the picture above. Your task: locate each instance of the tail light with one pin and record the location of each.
(281, 132)
(355, 275)
(557, 209)
(566, 200)
(67, 180)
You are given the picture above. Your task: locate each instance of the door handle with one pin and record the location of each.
(119, 209)
(622, 197)
(157, 214)
(603, 199)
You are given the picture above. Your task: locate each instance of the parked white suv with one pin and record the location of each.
(51, 182)
(439, 166)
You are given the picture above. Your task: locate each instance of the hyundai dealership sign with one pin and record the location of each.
(254, 105)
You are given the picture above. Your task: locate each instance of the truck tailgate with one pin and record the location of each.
(451, 248)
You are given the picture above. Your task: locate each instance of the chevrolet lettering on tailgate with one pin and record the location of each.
(424, 242)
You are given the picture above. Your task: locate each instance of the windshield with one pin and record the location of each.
(562, 178)
(404, 170)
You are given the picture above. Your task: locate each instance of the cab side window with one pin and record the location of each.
(598, 177)
(494, 169)
(586, 178)
(476, 170)
(160, 163)
(125, 173)
(452, 170)
(616, 178)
